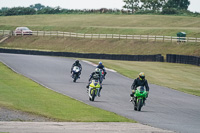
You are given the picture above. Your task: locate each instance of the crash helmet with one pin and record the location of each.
(77, 61)
(100, 63)
(97, 70)
(141, 76)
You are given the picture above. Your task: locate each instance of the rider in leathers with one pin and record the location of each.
(140, 81)
(95, 75)
(101, 66)
(76, 63)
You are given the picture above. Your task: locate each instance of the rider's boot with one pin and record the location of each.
(79, 75)
(131, 99)
(87, 86)
(144, 101)
(99, 92)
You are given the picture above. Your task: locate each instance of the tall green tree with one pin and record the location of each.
(154, 5)
(37, 6)
(177, 4)
(133, 5)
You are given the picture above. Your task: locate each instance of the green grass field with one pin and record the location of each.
(108, 46)
(19, 92)
(107, 24)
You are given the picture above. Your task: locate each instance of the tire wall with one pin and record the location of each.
(156, 58)
(183, 59)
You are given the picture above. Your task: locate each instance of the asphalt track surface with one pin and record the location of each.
(165, 108)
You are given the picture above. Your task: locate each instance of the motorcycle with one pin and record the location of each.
(75, 73)
(94, 88)
(139, 97)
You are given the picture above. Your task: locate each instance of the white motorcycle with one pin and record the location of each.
(75, 73)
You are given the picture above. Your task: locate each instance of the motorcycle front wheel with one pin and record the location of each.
(139, 104)
(75, 77)
(93, 95)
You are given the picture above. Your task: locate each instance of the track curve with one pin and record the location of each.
(165, 108)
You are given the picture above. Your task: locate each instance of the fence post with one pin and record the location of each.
(133, 37)
(140, 37)
(84, 35)
(163, 38)
(147, 38)
(155, 38)
(3, 32)
(171, 39)
(112, 35)
(196, 39)
(43, 33)
(119, 36)
(99, 36)
(69, 34)
(37, 33)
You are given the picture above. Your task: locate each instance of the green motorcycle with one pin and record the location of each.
(139, 97)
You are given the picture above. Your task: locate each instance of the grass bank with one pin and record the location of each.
(19, 92)
(107, 24)
(181, 77)
(107, 46)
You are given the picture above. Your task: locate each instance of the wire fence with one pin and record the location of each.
(107, 36)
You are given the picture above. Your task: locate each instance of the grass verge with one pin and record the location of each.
(21, 93)
(185, 78)
(107, 46)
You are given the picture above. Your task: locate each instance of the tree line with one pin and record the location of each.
(40, 9)
(157, 6)
(130, 7)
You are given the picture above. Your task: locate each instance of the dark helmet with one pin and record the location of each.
(100, 63)
(142, 76)
(77, 61)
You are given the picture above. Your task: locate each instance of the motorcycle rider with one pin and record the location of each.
(77, 63)
(140, 81)
(96, 76)
(101, 66)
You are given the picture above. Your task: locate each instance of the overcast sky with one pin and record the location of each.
(81, 4)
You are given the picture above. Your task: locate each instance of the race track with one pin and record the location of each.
(165, 108)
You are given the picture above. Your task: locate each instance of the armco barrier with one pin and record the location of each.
(184, 59)
(156, 58)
